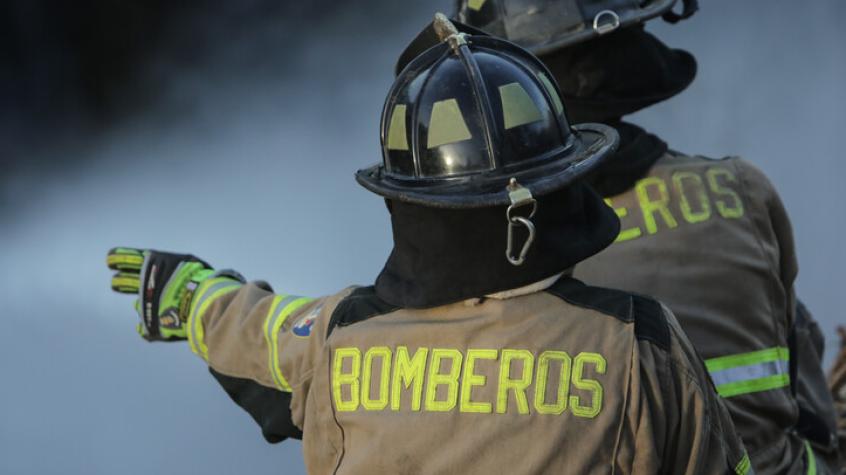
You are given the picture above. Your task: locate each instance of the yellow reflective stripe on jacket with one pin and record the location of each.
(207, 292)
(812, 460)
(280, 309)
(743, 467)
(752, 372)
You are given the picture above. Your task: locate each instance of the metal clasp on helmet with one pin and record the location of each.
(606, 21)
(520, 197)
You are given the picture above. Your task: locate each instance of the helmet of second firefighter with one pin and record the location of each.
(542, 26)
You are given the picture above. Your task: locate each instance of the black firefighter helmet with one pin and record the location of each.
(476, 121)
(542, 26)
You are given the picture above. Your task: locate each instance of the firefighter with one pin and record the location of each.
(475, 351)
(709, 237)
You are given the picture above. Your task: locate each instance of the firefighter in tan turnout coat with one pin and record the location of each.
(710, 238)
(475, 351)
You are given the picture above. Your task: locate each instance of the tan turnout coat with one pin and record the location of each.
(565, 379)
(712, 240)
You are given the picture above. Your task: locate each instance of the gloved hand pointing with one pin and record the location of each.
(165, 284)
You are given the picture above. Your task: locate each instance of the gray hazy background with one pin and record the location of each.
(235, 136)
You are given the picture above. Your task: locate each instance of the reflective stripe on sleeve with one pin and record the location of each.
(280, 309)
(208, 291)
(744, 467)
(812, 460)
(753, 372)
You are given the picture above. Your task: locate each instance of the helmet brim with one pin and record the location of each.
(592, 144)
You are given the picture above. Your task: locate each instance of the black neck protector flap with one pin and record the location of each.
(442, 256)
(638, 151)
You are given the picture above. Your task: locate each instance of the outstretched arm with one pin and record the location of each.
(260, 346)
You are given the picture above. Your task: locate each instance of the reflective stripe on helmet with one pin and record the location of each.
(397, 135)
(553, 93)
(517, 107)
(447, 124)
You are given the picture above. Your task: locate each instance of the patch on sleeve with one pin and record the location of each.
(304, 325)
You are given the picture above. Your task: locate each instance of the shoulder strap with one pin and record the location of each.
(645, 312)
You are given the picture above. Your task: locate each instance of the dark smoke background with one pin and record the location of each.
(231, 130)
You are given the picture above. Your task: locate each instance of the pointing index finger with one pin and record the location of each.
(125, 259)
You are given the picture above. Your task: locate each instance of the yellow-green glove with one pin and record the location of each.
(165, 284)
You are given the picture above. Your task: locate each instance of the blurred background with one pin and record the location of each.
(232, 130)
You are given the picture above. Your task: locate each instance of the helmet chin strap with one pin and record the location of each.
(688, 9)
